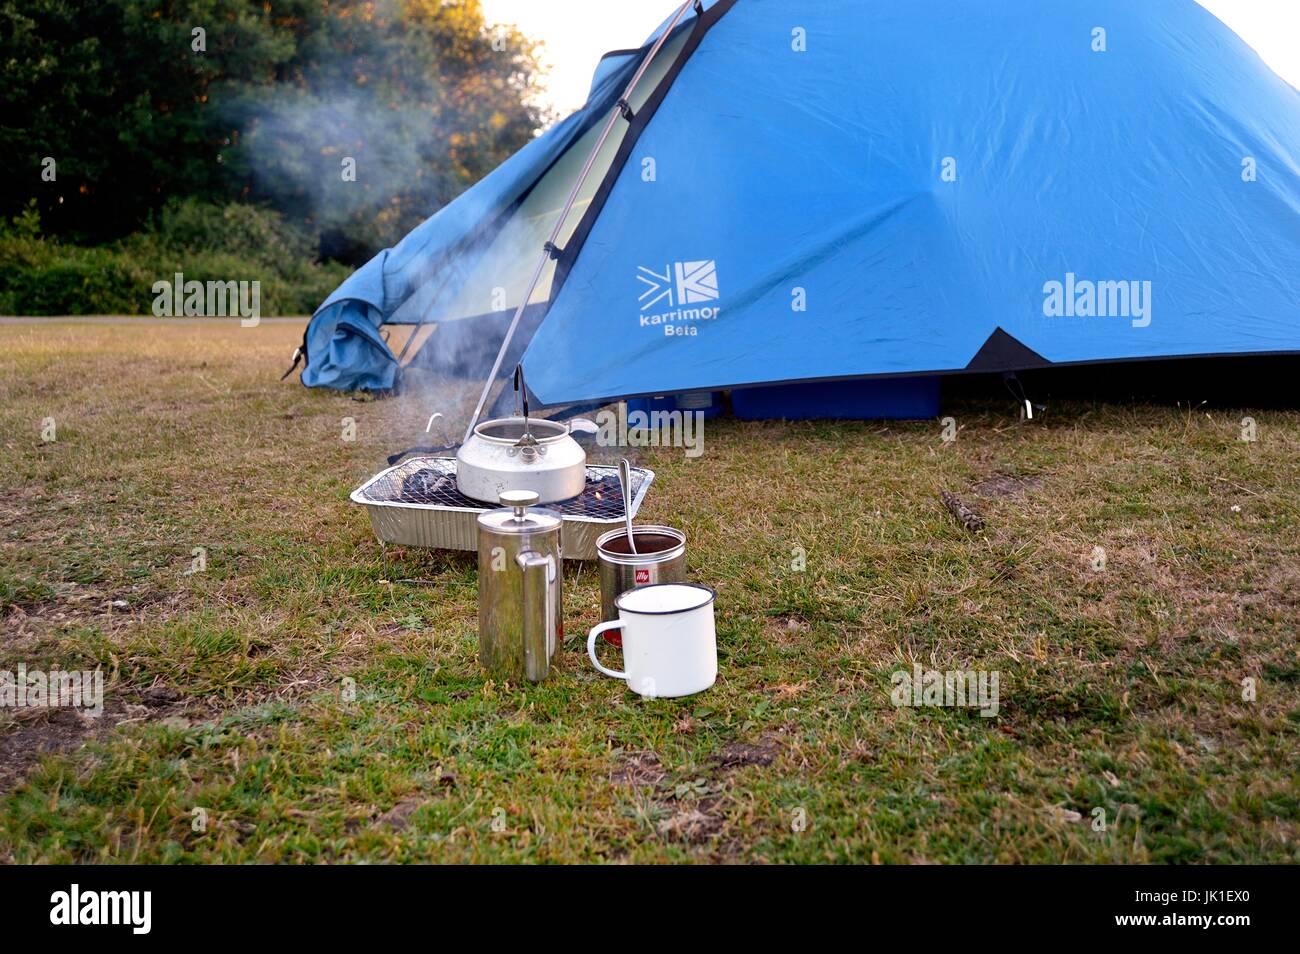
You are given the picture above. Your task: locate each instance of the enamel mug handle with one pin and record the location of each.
(591, 647)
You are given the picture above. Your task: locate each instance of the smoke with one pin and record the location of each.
(383, 114)
(382, 131)
(363, 171)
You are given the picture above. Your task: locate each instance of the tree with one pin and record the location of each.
(363, 139)
(139, 101)
(115, 93)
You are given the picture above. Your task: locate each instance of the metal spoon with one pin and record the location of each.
(625, 481)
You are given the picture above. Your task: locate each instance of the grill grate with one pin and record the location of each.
(431, 481)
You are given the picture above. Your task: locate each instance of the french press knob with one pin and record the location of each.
(519, 501)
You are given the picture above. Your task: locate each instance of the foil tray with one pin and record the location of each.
(416, 504)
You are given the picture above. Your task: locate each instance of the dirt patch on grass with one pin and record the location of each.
(639, 769)
(691, 808)
(398, 817)
(694, 823)
(28, 734)
(741, 754)
(24, 740)
(1007, 485)
(72, 604)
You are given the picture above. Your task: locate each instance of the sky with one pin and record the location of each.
(577, 32)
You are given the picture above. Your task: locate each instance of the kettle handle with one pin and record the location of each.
(424, 451)
(538, 613)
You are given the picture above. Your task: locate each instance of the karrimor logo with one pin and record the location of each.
(667, 296)
(696, 281)
(74, 906)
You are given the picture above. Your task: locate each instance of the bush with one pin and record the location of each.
(72, 281)
(41, 276)
(191, 226)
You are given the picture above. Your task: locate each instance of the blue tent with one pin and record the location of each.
(857, 188)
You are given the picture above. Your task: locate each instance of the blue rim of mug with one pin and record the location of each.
(713, 595)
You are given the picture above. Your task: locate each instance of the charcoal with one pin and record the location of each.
(601, 498)
(424, 485)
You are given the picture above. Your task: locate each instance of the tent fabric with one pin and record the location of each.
(375, 292)
(861, 188)
(820, 175)
(388, 288)
(347, 351)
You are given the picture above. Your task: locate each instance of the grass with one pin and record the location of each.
(228, 736)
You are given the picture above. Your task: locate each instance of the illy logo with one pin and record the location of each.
(642, 576)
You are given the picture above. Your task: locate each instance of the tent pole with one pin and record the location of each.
(549, 248)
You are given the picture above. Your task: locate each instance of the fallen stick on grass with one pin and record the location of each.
(967, 517)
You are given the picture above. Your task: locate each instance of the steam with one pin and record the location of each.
(342, 161)
(365, 148)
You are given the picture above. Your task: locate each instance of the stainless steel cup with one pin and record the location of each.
(660, 558)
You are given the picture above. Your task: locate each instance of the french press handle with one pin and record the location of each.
(539, 613)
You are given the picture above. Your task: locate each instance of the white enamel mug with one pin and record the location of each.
(670, 646)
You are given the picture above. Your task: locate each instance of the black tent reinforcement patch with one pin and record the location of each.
(1001, 352)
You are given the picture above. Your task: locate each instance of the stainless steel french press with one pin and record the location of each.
(520, 588)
